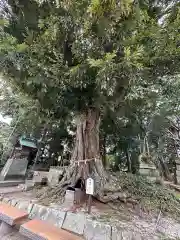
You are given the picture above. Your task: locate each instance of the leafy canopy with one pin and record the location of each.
(72, 55)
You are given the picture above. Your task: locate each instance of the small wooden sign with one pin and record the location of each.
(90, 192)
(90, 186)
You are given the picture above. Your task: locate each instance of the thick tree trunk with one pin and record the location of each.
(86, 161)
(87, 136)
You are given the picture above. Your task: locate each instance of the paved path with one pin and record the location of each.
(6, 190)
(15, 192)
(14, 236)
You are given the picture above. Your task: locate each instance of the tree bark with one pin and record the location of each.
(128, 161)
(45, 128)
(86, 161)
(103, 150)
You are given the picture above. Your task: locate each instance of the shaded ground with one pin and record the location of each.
(129, 218)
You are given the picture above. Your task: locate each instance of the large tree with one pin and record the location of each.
(79, 58)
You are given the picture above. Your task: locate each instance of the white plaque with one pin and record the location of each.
(90, 186)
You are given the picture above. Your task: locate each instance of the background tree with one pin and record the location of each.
(28, 119)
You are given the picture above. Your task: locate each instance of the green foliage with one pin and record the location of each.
(151, 196)
(28, 119)
(107, 63)
(63, 57)
(5, 145)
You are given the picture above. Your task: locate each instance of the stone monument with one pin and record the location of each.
(24, 152)
(149, 170)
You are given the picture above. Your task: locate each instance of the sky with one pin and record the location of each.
(6, 119)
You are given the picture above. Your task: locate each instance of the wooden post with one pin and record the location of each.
(89, 203)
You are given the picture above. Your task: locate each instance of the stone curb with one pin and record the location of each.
(77, 223)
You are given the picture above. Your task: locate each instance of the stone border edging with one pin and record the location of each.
(77, 223)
